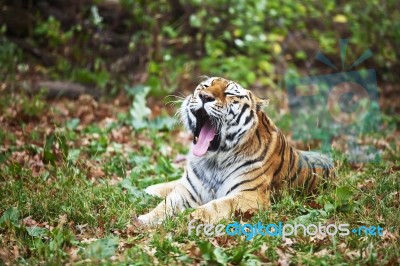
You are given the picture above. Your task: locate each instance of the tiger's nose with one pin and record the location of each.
(206, 97)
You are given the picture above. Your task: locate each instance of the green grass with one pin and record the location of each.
(69, 194)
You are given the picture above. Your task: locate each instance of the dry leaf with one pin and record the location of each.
(28, 221)
(88, 240)
(322, 253)
(289, 242)
(96, 173)
(15, 252)
(192, 250)
(318, 237)
(284, 258)
(62, 219)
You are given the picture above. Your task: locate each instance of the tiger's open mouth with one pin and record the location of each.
(205, 134)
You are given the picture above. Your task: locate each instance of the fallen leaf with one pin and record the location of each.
(5, 255)
(318, 238)
(28, 221)
(121, 135)
(284, 258)
(193, 250)
(322, 253)
(16, 252)
(88, 240)
(96, 173)
(62, 219)
(102, 248)
(36, 231)
(72, 252)
(289, 242)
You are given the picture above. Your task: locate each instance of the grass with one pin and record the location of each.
(70, 186)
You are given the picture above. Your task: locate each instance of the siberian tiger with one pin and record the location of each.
(237, 159)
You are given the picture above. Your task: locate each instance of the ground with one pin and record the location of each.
(72, 180)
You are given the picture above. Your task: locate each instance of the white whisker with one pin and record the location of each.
(173, 103)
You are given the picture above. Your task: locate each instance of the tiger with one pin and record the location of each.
(237, 159)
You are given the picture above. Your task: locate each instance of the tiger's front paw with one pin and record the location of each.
(155, 190)
(149, 219)
(206, 215)
(161, 190)
(144, 219)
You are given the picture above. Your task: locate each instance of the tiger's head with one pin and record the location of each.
(220, 114)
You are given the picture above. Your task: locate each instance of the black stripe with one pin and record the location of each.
(311, 168)
(232, 136)
(326, 173)
(282, 153)
(185, 203)
(191, 195)
(296, 174)
(308, 179)
(196, 173)
(324, 162)
(253, 188)
(194, 189)
(241, 134)
(312, 163)
(314, 177)
(258, 137)
(265, 123)
(243, 182)
(307, 161)
(291, 160)
(242, 96)
(249, 180)
(283, 141)
(311, 174)
(245, 106)
(190, 120)
(260, 158)
(248, 118)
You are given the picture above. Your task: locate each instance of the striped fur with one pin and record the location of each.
(252, 159)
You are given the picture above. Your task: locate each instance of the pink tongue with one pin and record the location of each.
(207, 134)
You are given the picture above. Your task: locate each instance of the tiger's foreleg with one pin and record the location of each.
(163, 189)
(178, 199)
(223, 208)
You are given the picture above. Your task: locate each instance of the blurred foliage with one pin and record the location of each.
(164, 44)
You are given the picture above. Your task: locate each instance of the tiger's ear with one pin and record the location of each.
(261, 103)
